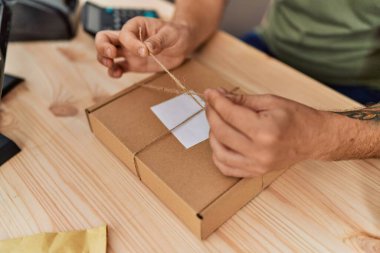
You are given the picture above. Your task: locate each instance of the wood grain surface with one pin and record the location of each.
(64, 179)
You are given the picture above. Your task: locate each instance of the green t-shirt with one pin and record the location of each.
(334, 41)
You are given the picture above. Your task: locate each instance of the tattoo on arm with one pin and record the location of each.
(371, 113)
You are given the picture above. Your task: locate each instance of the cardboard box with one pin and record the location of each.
(187, 181)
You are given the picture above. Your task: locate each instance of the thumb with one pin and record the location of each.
(130, 42)
(255, 102)
(160, 41)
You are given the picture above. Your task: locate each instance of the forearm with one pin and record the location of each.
(201, 16)
(352, 135)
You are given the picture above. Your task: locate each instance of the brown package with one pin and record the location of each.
(186, 180)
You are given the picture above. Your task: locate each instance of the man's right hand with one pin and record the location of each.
(123, 51)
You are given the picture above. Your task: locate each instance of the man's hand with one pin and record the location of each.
(122, 51)
(252, 135)
(171, 42)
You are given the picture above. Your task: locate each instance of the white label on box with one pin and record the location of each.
(178, 109)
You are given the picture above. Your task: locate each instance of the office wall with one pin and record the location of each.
(242, 15)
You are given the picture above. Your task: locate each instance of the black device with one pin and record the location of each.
(9, 83)
(43, 19)
(96, 18)
(7, 147)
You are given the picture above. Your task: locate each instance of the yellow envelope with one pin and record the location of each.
(86, 241)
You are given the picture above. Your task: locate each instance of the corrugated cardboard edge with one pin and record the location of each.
(270, 177)
(171, 199)
(113, 144)
(230, 202)
(237, 197)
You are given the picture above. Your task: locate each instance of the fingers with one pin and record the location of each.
(225, 155)
(226, 134)
(107, 62)
(228, 170)
(266, 124)
(156, 36)
(257, 102)
(130, 40)
(138, 38)
(231, 163)
(142, 35)
(239, 117)
(106, 43)
(120, 44)
(165, 38)
(118, 69)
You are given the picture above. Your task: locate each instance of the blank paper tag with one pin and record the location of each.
(178, 109)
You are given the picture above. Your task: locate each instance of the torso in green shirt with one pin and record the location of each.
(334, 41)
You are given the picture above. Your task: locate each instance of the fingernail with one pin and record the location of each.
(142, 51)
(109, 52)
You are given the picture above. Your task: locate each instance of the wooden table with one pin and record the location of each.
(64, 179)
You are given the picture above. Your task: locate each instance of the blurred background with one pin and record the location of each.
(242, 15)
(57, 19)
